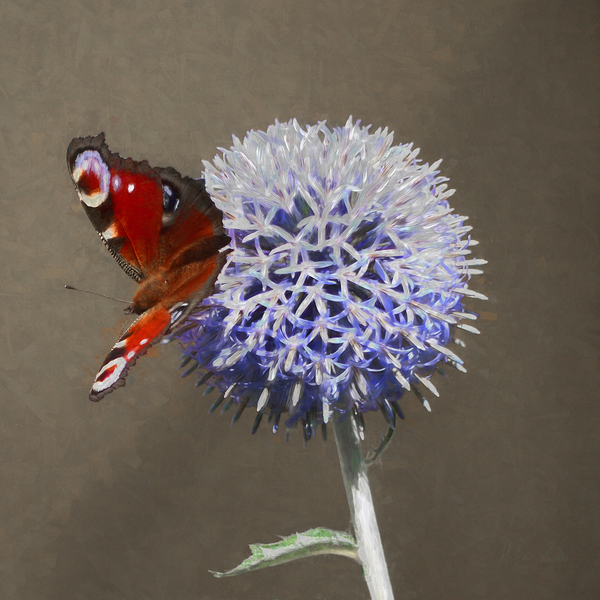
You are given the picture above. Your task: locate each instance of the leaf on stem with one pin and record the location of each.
(299, 545)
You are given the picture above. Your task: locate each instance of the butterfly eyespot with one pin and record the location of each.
(92, 178)
(170, 199)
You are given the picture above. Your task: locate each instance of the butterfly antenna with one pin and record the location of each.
(70, 287)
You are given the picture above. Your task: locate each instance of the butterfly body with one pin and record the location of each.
(162, 229)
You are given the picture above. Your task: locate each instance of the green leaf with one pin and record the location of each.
(299, 545)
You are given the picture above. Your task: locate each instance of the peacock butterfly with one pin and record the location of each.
(163, 230)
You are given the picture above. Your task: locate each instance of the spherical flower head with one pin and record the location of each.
(346, 275)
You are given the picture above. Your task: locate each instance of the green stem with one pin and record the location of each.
(354, 473)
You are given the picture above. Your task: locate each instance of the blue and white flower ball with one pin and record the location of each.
(345, 283)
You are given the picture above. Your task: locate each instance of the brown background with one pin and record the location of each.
(495, 494)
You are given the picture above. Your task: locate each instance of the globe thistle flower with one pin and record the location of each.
(346, 277)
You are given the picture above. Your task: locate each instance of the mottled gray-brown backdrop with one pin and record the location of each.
(495, 494)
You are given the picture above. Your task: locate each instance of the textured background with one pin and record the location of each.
(495, 494)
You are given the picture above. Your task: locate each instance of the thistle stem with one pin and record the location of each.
(354, 473)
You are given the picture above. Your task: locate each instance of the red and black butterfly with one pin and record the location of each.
(163, 230)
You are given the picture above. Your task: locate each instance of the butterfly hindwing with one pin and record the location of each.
(139, 336)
